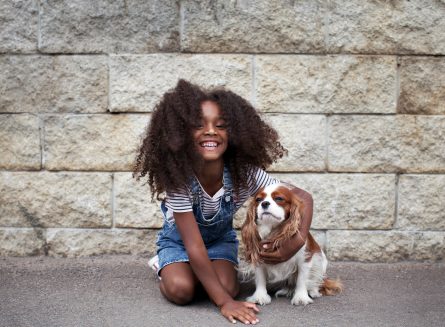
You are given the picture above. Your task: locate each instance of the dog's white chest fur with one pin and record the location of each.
(285, 270)
(264, 230)
(281, 271)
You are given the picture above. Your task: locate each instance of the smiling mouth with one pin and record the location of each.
(209, 144)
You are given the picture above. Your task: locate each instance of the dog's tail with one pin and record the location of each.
(331, 286)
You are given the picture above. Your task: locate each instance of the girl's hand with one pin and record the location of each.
(243, 311)
(273, 255)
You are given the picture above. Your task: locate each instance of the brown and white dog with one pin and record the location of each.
(275, 214)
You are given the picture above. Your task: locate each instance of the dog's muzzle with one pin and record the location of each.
(265, 204)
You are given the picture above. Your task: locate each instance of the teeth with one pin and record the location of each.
(209, 144)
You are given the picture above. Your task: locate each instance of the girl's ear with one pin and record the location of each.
(249, 233)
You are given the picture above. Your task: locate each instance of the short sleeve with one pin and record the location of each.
(179, 201)
(258, 178)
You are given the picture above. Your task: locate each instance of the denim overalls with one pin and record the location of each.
(217, 232)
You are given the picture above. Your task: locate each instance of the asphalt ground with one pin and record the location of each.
(122, 291)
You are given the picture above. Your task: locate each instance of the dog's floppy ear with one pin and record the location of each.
(250, 236)
(291, 225)
(295, 214)
(296, 209)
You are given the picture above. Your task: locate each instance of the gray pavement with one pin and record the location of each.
(122, 291)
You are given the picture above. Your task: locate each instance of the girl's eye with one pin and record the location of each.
(278, 199)
(221, 125)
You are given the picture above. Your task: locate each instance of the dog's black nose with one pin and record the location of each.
(265, 204)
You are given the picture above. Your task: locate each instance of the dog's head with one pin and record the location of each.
(274, 214)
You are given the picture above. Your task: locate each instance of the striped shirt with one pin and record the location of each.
(181, 201)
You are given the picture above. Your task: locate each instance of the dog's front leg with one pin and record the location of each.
(260, 296)
(301, 296)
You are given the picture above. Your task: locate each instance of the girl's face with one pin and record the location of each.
(210, 135)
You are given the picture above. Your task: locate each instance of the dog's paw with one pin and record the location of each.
(261, 298)
(301, 298)
(314, 293)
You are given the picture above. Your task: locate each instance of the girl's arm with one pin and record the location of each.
(291, 246)
(202, 267)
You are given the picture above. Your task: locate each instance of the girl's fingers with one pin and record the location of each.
(267, 248)
(274, 256)
(245, 317)
(249, 316)
(252, 306)
(231, 319)
(268, 255)
(245, 313)
(247, 320)
(240, 317)
(267, 245)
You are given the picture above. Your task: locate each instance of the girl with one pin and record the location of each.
(205, 150)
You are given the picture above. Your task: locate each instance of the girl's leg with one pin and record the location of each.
(178, 283)
(227, 276)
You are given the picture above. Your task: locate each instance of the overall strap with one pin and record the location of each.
(228, 186)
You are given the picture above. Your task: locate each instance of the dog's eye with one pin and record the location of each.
(278, 199)
(258, 200)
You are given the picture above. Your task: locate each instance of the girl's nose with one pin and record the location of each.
(210, 131)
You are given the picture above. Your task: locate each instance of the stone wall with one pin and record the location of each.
(356, 89)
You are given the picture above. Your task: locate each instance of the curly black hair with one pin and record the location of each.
(167, 152)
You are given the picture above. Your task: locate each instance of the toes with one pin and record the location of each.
(261, 300)
(301, 299)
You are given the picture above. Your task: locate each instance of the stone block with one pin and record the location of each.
(326, 84)
(304, 138)
(348, 201)
(19, 142)
(104, 26)
(19, 26)
(369, 246)
(252, 26)
(402, 143)
(421, 202)
(422, 86)
(137, 83)
(132, 203)
(53, 84)
(389, 27)
(92, 142)
(22, 242)
(429, 246)
(46, 199)
(88, 242)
